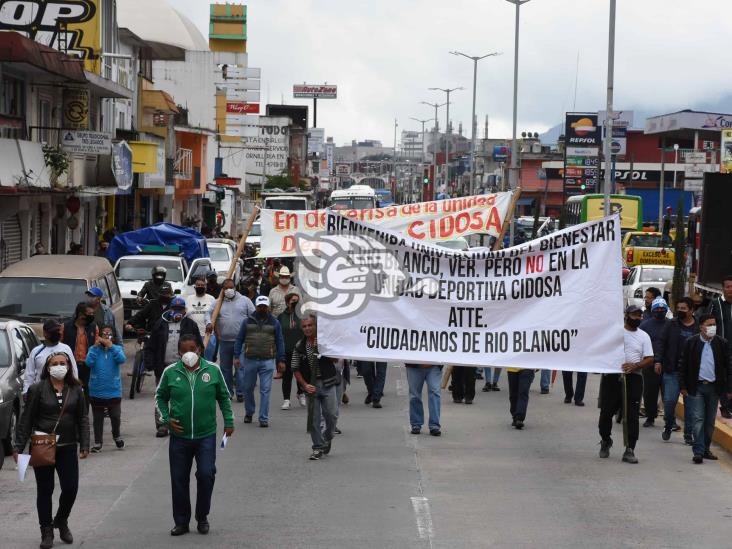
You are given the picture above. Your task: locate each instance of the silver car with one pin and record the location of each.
(642, 277)
(16, 342)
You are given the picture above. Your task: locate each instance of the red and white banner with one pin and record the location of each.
(320, 91)
(438, 220)
(239, 107)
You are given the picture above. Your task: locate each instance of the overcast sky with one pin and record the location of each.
(384, 54)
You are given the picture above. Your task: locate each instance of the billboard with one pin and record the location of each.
(315, 91)
(581, 153)
(316, 138)
(726, 152)
(500, 153)
(267, 152)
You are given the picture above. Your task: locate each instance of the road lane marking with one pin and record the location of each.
(421, 506)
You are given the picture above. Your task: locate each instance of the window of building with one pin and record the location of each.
(44, 120)
(12, 107)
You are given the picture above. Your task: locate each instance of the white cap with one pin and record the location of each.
(262, 300)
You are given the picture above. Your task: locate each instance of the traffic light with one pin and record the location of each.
(583, 187)
(426, 177)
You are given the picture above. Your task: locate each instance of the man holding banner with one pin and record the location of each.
(624, 391)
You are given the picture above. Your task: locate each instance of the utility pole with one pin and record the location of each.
(395, 154)
(436, 137)
(513, 173)
(474, 122)
(446, 179)
(607, 152)
(422, 156)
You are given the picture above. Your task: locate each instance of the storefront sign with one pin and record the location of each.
(75, 109)
(86, 142)
(582, 144)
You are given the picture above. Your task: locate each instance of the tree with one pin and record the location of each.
(678, 289)
(280, 182)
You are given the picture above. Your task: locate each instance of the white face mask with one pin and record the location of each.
(229, 293)
(190, 359)
(711, 331)
(58, 372)
(285, 281)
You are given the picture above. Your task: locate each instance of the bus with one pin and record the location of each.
(355, 197)
(586, 207)
(384, 198)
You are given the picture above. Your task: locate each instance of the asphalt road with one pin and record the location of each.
(482, 484)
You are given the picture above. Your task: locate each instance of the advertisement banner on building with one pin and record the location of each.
(343, 169)
(75, 109)
(424, 221)
(71, 26)
(582, 145)
(330, 155)
(240, 107)
(315, 91)
(86, 142)
(523, 307)
(268, 151)
(726, 152)
(500, 153)
(316, 138)
(122, 165)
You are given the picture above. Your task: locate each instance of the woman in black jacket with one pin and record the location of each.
(57, 391)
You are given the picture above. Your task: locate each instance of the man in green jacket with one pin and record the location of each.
(186, 399)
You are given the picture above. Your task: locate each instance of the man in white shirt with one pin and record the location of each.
(198, 305)
(38, 355)
(638, 355)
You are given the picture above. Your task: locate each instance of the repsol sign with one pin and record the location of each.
(66, 25)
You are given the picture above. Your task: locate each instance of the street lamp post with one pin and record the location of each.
(422, 156)
(447, 130)
(607, 143)
(513, 173)
(435, 136)
(676, 160)
(475, 60)
(395, 155)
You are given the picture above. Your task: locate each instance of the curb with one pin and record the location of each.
(722, 429)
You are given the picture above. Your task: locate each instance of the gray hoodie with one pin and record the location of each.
(233, 313)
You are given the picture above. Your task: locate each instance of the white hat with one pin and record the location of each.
(284, 271)
(262, 300)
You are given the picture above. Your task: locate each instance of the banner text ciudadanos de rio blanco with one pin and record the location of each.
(437, 220)
(552, 303)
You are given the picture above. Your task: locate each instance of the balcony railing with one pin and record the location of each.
(183, 166)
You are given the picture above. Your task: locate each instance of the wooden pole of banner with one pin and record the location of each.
(232, 267)
(446, 376)
(507, 220)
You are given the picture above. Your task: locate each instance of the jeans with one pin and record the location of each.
(519, 384)
(703, 407)
(651, 386)
(496, 374)
(324, 407)
(374, 376)
(611, 400)
(226, 363)
(416, 378)
(67, 467)
(114, 408)
(545, 381)
(212, 349)
(671, 391)
(251, 368)
(463, 383)
(577, 393)
(181, 452)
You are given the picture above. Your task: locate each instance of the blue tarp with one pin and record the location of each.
(191, 242)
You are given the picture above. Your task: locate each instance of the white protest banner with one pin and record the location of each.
(436, 220)
(552, 303)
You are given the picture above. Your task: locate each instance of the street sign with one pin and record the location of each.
(242, 131)
(242, 119)
(234, 72)
(246, 84)
(86, 142)
(240, 107)
(343, 169)
(694, 185)
(246, 96)
(615, 147)
(315, 91)
(695, 158)
(695, 171)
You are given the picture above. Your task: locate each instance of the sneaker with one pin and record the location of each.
(568, 400)
(285, 405)
(345, 399)
(247, 419)
(698, 459)
(513, 423)
(96, 449)
(579, 403)
(316, 455)
(688, 440)
(649, 422)
(468, 401)
(709, 455)
(359, 376)
(376, 404)
(486, 388)
(435, 432)
(726, 414)
(545, 391)
(301, 398)
(605, 446)
(666, 435)
(519, 424)
(119, 442)
(263, 424)
(457, 400)
(369, 399)
(495, 387)
(629, 456)
(416, 430)
(676, 428)
(326, 450)
(337, 431)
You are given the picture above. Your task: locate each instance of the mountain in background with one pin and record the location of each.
(723, 105)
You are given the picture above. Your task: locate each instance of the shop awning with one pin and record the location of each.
(159, 101)
(22, 164)
(35, 57)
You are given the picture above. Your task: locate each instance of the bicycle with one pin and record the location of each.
(139, 373)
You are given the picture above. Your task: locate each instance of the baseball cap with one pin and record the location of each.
(632, 309)
(659, 303)
(178, 302)
(262, 300)
(95, 292)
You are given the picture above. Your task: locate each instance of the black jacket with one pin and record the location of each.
(668, 348)
(328, 373)
(69, 334)
(691, 360)
(155, 348)
(724, 322)
(42, 410)
(146, 317)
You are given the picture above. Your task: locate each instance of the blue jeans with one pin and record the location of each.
(325, 407)
(496, 374)
(703, 413)
(226, 363)
(416, 377)
(546, 378)
(374, 376)
(181, 452)
(519, 384)
(251, 368)
(671, 391)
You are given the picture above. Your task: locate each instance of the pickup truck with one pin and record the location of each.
(647, 248)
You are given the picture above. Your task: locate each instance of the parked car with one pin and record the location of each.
(221, 250)
(459, 244)
(16, 342)
(50, 286)
(254, 238)
(642, 277)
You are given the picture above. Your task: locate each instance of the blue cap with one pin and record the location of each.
(178, 302)
(659, 303)
(95, 292)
